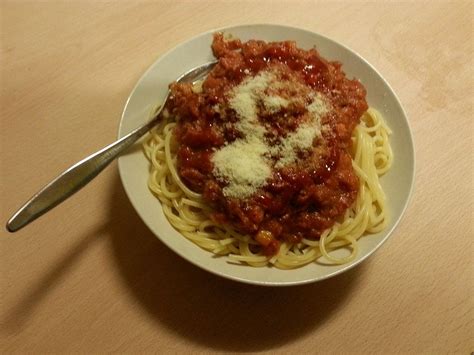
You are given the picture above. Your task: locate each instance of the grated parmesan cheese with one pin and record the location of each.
(245, 96)
(304, 136)
(246, 164)
(243, 165)
(318, 107)
(296, 141)
(275, 103)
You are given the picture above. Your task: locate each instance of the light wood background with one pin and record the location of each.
(90, 277)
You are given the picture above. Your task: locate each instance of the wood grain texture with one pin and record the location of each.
(90, 277)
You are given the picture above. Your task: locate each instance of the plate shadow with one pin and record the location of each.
(209, 310)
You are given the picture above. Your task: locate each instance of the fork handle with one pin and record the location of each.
(74, 178)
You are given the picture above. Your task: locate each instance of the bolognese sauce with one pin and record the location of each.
(266, 139)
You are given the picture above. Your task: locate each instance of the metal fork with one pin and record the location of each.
(81, 173)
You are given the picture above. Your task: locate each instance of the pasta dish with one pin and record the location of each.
(273, 159)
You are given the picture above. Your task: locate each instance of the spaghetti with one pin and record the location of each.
(189, 214)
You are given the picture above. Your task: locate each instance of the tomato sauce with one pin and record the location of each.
(299, 200)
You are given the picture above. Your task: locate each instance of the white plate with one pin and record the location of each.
(151, 89)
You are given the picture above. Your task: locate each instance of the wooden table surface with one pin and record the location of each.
(90, 277)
